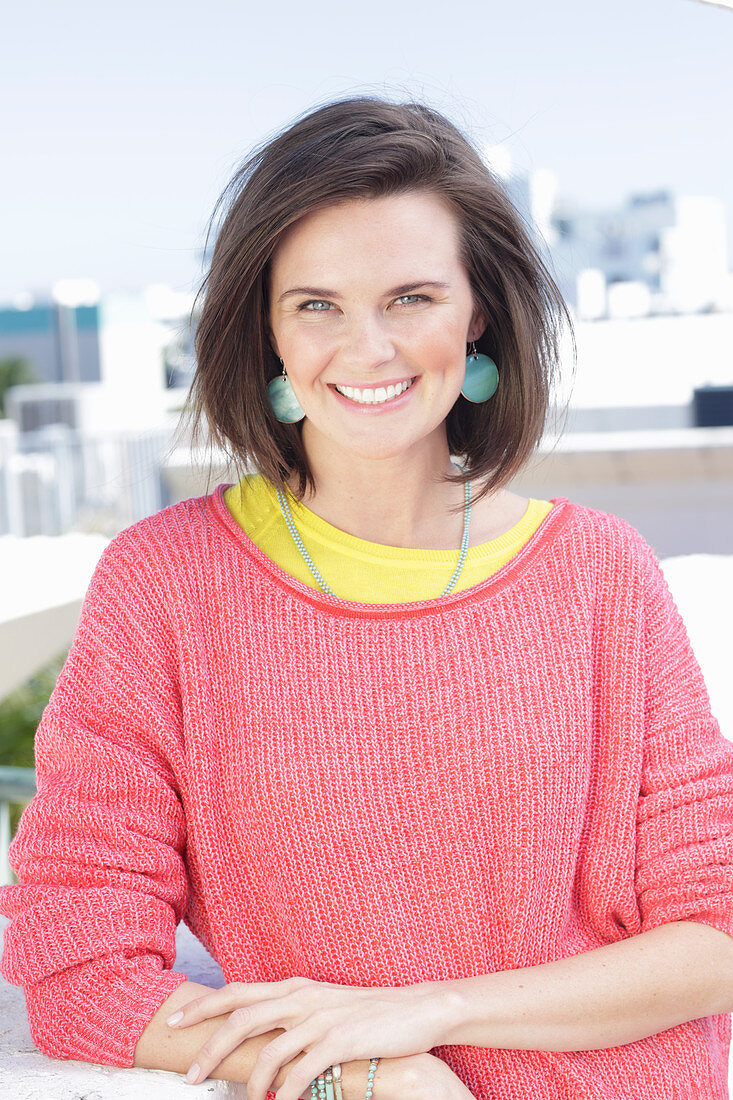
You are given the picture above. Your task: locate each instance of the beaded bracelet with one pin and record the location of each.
(318, 1088)
(337, 1081)
(373, 1063)
(323, 1087)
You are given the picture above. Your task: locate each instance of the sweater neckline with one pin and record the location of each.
(545, 532)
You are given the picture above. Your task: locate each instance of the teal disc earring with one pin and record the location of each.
(482, 377)
(283, 401)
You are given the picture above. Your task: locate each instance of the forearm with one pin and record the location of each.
(606, 997)
(163, 1047)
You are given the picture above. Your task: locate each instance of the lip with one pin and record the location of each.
(394, 403)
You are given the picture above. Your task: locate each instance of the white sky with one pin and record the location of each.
(120, 124)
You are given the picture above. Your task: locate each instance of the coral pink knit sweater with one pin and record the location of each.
(367, 794)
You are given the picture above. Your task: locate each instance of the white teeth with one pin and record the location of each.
(377, 396)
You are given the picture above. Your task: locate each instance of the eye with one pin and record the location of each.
(314, 302)
(320, 303)
(417, 297)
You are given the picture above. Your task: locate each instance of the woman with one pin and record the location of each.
(428, 767)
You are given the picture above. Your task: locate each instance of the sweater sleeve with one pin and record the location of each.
(684, 852)
(99, 850)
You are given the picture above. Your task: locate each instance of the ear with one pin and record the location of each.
(477, 327)
(273, 344)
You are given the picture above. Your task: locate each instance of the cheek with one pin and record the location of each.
(442, 351)
(308, 355)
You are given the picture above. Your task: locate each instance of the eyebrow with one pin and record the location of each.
(320, 292)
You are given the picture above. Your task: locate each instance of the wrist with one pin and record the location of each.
(456, 1002)
(354, 1078)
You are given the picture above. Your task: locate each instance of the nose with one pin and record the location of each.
(366, 345)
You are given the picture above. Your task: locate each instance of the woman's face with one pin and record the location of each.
(370, 294)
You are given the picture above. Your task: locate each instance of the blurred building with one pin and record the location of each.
(100, 367)
(59, 341)
(655, 253)
(658, 253)
(82, 447)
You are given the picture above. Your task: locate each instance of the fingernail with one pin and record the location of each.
(193, 1073)
(174, 1018)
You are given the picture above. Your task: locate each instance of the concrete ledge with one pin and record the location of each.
(26, 1074)
(673, 456)
(39, 613)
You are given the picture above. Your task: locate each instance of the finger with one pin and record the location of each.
(278, 1053)
(215, 1003)
(286, 1046)
(238, 1026)
(272, 1057)
(227, 999)
(316, 1061)
(267, 1065)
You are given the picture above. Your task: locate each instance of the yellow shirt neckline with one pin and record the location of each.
(263, 508)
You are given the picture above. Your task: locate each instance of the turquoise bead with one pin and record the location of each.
(481, 379)
(283, 400)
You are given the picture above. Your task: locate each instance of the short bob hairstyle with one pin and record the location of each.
(363, 147)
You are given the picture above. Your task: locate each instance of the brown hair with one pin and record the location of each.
(362, 147)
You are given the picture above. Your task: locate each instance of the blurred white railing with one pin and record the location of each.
(17, 785)
(56, 479)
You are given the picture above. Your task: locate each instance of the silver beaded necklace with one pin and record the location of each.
(288, 517)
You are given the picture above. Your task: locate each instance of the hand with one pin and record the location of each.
(419, 1077)
(327, 1021)
(435, 1081)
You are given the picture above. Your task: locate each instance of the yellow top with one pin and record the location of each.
(366, 571)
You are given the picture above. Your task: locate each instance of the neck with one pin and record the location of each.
(398, 500)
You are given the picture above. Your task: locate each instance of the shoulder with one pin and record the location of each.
(157, 544)
(612, 548)
(600, 527)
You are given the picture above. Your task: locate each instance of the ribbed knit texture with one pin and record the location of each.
(493, 779)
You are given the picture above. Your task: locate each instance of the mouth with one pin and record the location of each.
(375, 396)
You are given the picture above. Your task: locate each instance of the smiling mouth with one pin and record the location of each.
(375, 395)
